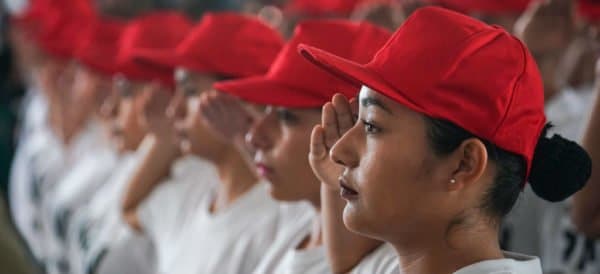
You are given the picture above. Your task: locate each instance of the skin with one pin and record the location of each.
(403, 192)
(128, 130)
(176, 128)
(345, 249)
(282, 132)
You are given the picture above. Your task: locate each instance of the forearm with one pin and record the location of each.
(153, 169)
(586, 205)
(345, 249)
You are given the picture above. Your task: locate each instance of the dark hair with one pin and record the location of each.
(560, 167)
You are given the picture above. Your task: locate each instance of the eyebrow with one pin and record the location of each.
(370, 101)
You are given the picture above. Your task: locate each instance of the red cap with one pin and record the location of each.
(449, 66)
(38, 12)
(589, 9)
(485, 6)
(64, 28)
(294, 82)
(100, 46)
(248, 49)
(323, 7)
(148, 37)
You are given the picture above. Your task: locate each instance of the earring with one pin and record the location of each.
(452, 181)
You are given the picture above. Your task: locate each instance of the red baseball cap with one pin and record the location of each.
(589, 9)
(63, 30)
(325, 7)
(248, 49)
(449, 66)
(294, 82)
(485, 6)
(148, 37)
(39, 11)
(100, 45)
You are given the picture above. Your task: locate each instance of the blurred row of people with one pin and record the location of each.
(160, 143)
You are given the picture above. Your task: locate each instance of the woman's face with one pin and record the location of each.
(128, 130)
(90, 89)
(281, 139)
(193, 135)
(392, 182)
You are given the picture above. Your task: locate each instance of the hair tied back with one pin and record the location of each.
(560, 167)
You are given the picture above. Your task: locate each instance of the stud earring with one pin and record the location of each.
(452, 181)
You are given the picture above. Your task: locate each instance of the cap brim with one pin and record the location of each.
(156, 58)
(356, 74)
(263, 91)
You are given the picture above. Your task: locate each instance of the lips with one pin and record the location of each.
(346, 191)
(263, 170)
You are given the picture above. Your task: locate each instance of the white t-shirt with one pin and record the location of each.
(39, 161)
(297, 220)
(309, 261)
(513, 263)
(165, 213)
(92, 160)
(382, 260)
(101, 215)
(545, 229)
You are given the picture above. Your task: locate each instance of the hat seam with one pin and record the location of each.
(515, 85)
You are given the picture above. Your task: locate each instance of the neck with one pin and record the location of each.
(450, 252)
(235, 179)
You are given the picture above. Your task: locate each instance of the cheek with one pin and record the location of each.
(292, 148)
(392, 183)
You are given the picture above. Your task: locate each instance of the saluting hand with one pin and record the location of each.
(153, 108)
(226, 115)
(337, 118)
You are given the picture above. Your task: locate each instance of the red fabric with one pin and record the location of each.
(449, 66)
(228, 44)
(148, 37)
(327, 7)
(39, 12)
(485, 6)
(294, 82)
(100, 46)
(63, 25)
(589, 9)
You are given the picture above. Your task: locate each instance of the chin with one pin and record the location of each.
(356, 221)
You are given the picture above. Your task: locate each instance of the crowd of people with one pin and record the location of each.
(283, 137)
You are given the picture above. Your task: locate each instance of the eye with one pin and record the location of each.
(370, 128)
(286, 116)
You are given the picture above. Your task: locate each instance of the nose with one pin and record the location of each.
(344, 152)
(257, 137)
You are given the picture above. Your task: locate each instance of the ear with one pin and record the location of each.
(470, 162)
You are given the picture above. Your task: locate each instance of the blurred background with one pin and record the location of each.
(561, 35)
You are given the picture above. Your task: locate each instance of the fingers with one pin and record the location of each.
(330, 125)
(344, 114)
(318, 149)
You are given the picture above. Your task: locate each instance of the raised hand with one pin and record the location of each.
(226, 115)
(337, 118)
(153, 106)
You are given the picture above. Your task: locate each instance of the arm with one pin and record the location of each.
(159, 149)
(586, 205)
(154, 167)
(345, 249)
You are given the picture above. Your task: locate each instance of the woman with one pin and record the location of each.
(439, 156)
(294, 92)
(200, 217)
